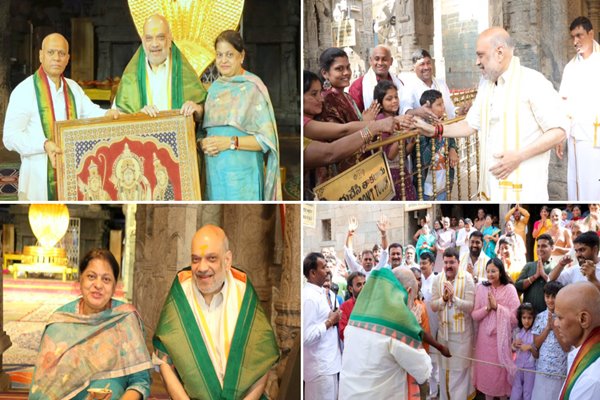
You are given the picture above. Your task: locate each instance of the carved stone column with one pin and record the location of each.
(287, 298)
(416, 28)
(5, 342)
(251, 229)
(594, 16)
(163, 241)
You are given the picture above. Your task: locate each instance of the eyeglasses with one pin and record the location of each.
(228, 56)
(61, 53)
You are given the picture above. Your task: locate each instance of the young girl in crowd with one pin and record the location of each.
(386, 95)
(526, 354)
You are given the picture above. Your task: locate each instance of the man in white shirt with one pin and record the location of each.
(367, 258)
(409, 257)
(395, 255)
(427, 278)
(579, 87)
(577, 310)
(423, 80)
(462, 237)
(586, 248)
(519, 117)
(321, 349)
(158, 77)
(476, 260)
(34, 106)
(382, 344)
(453, 297)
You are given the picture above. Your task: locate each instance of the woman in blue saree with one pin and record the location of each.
(94, 343)
(240, 130)
(491, 234)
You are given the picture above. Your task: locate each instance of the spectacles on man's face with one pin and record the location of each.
(52, 52)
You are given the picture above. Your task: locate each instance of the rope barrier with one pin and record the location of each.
(502, 366)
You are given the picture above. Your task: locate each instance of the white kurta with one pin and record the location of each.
(587, 386)
(579, 87)
(538, 108)
(414, 88)
(355, 266)
(374, 366)
(321, 351)
(24, 134)
(478, 268)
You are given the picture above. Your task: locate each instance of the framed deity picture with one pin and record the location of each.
(133, 158)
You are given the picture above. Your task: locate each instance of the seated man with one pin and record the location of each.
(383, 340)
(213, 338)
(159, 77)
(35, 104)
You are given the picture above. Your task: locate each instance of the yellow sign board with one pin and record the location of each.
(309, 215)
(368, 180)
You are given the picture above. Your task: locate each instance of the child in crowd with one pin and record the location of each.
(436, 158)
(526, 354)
(552, 351)
(386, 95)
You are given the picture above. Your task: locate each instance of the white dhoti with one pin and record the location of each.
(546, 387)
(455, 385)
(583, 176)
(455, 372)
(324, 387)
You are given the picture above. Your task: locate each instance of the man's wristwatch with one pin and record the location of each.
(233, 143)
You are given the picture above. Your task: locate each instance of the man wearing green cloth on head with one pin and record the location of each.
(383, 340)
(159, 77)
(213, 339)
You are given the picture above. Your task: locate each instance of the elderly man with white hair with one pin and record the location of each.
(519, 117)
(383, 340)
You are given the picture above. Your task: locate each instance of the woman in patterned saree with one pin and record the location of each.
(95, 341)
(241, 130)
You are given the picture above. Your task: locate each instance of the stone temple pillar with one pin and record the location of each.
(163, 241)
(5, 342)
(594, 16)
(416, 29)
(250, 229)
(287, 301)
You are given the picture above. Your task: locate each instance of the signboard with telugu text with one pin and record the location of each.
(368, 180)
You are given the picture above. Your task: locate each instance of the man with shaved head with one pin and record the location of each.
(159, 77)
(213, 338)
(361, 89)
(34, 106)
(519, 117)
(577, 310)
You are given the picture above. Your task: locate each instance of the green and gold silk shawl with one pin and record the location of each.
(185, 85)
(253, 347)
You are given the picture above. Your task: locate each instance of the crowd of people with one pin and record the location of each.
(536, 118)
(484, 315)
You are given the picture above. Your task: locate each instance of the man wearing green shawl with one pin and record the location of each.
(383, 340)
(213, 338)
(159, 77)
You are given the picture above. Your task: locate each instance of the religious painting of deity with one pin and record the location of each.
(133, 158)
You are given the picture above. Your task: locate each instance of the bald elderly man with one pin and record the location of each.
(519, 117)
(159, 77)
(361, 89)
(577, 309)
(213, 339)
(34, 106)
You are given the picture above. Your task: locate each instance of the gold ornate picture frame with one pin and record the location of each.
(133, 158)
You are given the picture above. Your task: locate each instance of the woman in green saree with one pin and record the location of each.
(241, 130)
(93, 343)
